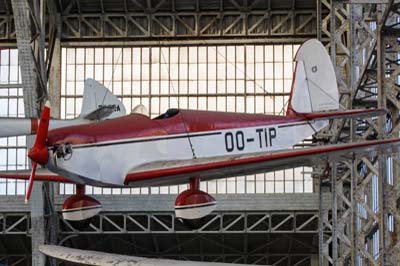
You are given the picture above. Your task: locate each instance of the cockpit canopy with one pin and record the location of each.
(168, 114)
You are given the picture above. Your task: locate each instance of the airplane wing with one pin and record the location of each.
(42, 174)
(179, 172)
(95, 258)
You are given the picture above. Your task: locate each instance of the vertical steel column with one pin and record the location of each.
(325, 26)
(25, 57)
(353, 168)
(318, 183)
(54, 78)
(38, 203)
(30, 30)
(381, 134)
(354, 216)
(334, 215)
(55, 72)
(388, 69)
(38, 234)
(319, 19)
(321, 213)
(29, 77)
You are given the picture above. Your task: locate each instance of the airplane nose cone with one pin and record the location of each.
(39, 155)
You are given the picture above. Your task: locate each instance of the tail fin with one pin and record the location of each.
(314, 87)
(99, 103)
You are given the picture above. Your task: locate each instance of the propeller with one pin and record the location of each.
(38, 153)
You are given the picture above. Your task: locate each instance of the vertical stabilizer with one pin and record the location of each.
(99, 103)
(314, 87)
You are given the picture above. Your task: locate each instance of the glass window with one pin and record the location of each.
(12, 149)
(223, 78)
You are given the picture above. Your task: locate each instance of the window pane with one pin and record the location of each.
(224, 78)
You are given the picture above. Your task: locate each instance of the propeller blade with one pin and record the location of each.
(38, 153)
(30, 184)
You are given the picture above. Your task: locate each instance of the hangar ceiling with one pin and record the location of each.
(127, 20)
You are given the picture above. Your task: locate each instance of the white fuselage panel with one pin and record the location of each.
(109, 162)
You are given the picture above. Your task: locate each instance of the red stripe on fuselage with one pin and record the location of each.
(137, 126)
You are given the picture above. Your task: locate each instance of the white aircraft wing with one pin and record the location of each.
(176, 172)
(42, 174)
(95, 258)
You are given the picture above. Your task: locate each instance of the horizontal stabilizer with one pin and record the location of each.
(344, 114)
(98, 104)
(95, 258)
(17, 126)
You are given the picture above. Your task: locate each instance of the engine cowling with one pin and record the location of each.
(193, 203)
(80, 207)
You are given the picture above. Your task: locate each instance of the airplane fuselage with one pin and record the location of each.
(105, 153)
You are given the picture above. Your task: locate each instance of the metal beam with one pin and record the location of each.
(215, 24)
(165, 203)
(256, 20)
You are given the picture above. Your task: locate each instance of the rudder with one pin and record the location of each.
(314, 86)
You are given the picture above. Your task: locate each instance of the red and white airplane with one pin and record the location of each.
(105, 147)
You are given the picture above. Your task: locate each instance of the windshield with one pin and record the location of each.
(168, 114)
